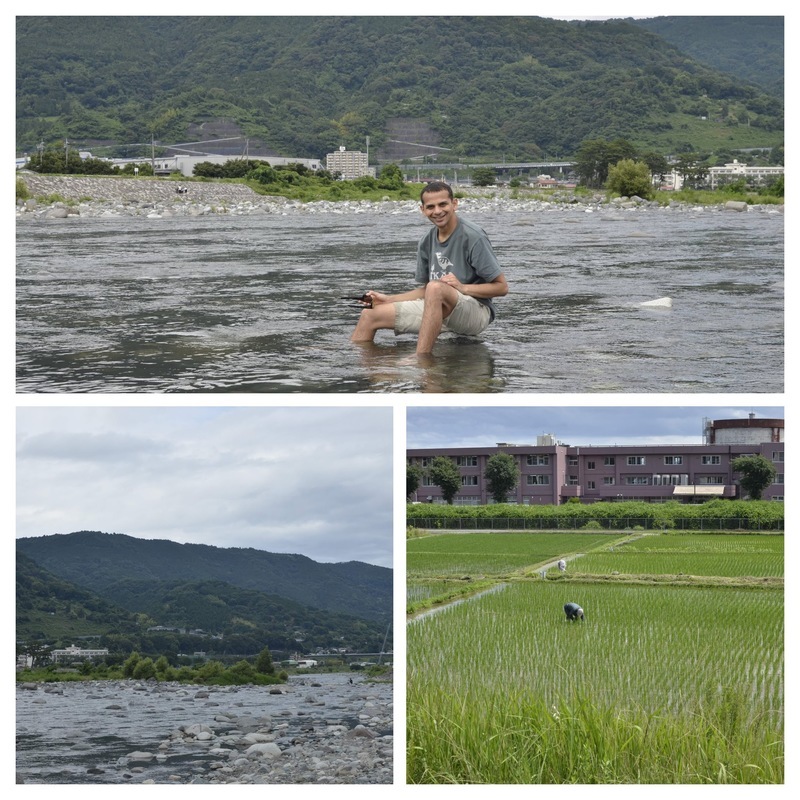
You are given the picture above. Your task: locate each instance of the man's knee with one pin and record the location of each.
(378, 318)
(441, 293)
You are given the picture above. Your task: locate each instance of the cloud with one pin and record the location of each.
(485, 426)
(315, 481)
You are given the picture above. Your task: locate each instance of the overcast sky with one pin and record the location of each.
(315, 481)
(578, 425)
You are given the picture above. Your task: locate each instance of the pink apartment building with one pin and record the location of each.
(551, 472)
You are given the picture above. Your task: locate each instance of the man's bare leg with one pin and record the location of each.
(440, 300)
(372, 320)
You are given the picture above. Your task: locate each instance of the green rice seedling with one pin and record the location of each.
(661, 684)
(692, 554)
(493, 553)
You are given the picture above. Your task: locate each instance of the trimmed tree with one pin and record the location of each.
(757, 473)
(264, 663)
(483, 176)
(413, 478)
(501, 476)
(444, 474)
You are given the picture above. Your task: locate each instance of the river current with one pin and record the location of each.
(254, 304)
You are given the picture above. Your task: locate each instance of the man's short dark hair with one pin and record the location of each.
(436, 186)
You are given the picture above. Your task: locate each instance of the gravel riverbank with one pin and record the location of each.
(140, 197)
(316, 729)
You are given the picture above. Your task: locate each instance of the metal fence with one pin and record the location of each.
(581, 523)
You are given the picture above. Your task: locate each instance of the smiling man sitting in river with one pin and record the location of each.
(460, 273)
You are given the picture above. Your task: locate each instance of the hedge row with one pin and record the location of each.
(715, 514)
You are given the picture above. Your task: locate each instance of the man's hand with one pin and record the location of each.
(451, 280)
(373, 299)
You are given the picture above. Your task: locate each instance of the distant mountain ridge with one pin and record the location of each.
(99, 561)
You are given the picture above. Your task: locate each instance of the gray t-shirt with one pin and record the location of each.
(467, 254)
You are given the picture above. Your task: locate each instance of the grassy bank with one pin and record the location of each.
(518, 739)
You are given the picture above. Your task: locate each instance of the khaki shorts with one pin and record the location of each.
(468, 318)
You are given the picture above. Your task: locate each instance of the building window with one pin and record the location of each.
(538, 480)
(778, 497)
(425, 461)
(673, 460)
(711, 460)
(609, 461)
(469, 480)
(538, 461)
(777, 455)
(590, 485)
(711, 480)
(573, 461)
(590, 465)
(466, 461)
(610, 481)
(637, 480)
(672, 479)
(467, 500)
(427, 481)
(635, 461)
(573, 480)
(778, 477)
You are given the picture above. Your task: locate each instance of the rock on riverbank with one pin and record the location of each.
(323, 730)
(156, 199)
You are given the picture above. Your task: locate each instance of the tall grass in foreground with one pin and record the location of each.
(499, 739)
(662, 684)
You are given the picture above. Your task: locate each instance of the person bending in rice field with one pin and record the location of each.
(460, 275)
(573, 612)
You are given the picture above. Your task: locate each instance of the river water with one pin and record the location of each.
(252, 304)
(85, 732)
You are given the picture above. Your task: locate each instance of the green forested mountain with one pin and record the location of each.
(104, 562)
(156, 616)
(520, 88)
(48, 606)
(246, 619)
(749, 48)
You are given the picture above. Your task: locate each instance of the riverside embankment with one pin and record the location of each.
(141, 197)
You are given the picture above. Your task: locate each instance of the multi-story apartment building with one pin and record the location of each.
(351, 164)
(73, 653)
(552, 473)
(754, 176)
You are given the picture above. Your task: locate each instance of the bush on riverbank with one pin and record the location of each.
(210, 673)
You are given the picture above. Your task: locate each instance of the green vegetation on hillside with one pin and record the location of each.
(139, 609)
(101, 561)
(750, 48)
(518, 88)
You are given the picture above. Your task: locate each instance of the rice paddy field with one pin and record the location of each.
(494, 553)
(669, 681)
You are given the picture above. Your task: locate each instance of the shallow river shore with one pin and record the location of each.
(315, 729)
(138, 197)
